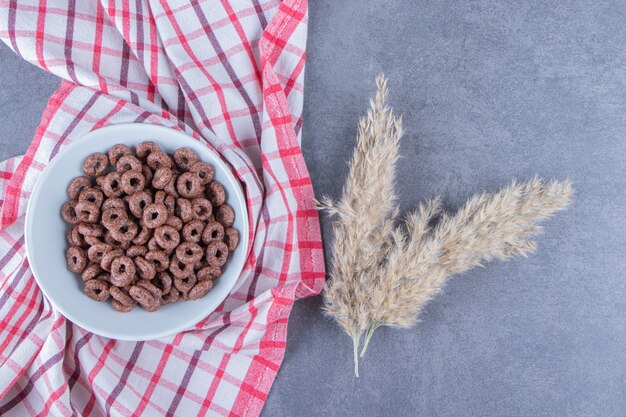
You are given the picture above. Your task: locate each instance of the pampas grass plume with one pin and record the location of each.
(383, 269)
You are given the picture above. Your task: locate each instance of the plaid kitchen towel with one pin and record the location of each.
(230, 72)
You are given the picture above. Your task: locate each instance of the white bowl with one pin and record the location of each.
(45, 239)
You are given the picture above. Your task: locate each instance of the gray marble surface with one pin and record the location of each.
(490, 91)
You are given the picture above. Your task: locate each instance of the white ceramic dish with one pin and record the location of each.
(46, 245)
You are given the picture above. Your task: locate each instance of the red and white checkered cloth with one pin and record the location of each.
(231, 73)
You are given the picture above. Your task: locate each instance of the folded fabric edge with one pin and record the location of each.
(281, 27)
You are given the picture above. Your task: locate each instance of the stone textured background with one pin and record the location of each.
(490, 91)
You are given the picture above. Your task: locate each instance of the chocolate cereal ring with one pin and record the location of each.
(90, 229)
(180, 269)
(125, 232)
(150, 287)
(96, 252)
(185, 158)
(201, 289)
(91, 272)
(121, 307)
(175, 222)
(114, 217)
(122, 271)
(159, 197)
(185, 284)
(216, 193)
(163, 282)
(114, 202)
(216, 253)
(109, 257)
(136, 250)
(158, 160)
(162, 177)
(68, 212)
(122, 297)
(93, 195)
(184, 210)
(213, 231)
(159, 259)
(97, 289)
(76, 259)
(153, 245)
(145, 268)
(87, 211)
(74, 238)
(171, 187)
(155, 215)
(189, 253)
(118, 244)
(96, 164)
(189, 185)
(92, 240)
(146, 300)
(208, 273)
(225, 215)
(133, 182)
(203, 170)
(167, 237)
(202, 209)
(117, 151)
(128, 163)
(170, 203)
(112, 184)
(77, 185)
(231, 238)
(192, 231)
(170, 297)
(146, 148)
(138, 202)
(143, 236)
(147, 173)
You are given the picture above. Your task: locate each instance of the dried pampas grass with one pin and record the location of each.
(384, 270)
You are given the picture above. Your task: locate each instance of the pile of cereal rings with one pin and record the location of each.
(147, 228)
